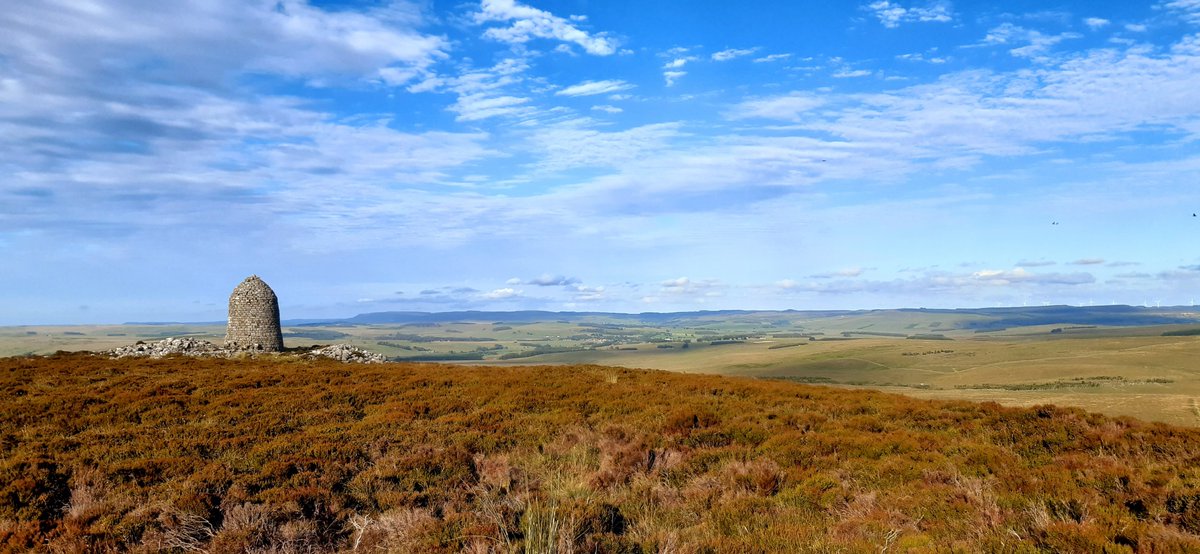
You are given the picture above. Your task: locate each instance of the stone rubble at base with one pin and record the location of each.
(346, 353)
(186, 346)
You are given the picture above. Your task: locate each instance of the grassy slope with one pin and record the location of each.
(969, 363)
(1159, 380)
(257, 454)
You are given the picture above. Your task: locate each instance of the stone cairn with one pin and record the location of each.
(253, 318)
(253, 328)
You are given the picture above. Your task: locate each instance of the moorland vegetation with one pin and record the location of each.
(283, 455)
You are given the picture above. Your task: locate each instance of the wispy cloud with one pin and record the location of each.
(731, 53)
(474, 107)
(697, 289)
(1033, 42)
(529, 23)
(575, 144)
(974, 283)
(893, 14)
(790, 107)
(1189, 10)
(851, 73)
(584, 293)
(678, 62)
(1096, 23)
(772, 58)
(848, 272)
(549, 280)
(672, 77)
(1087, 95)
(591, 88)
(918, 57)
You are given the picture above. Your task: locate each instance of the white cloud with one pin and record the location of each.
(772, 58)
(676, 283)
(474, 107)
(1095, 23)
(1035, 42)
(574, 145)
(996, 277)
(962, 285)
(1135, 28)
(671, 77)
(892, 14)
(529, 23)
(583, 293)
(916, 57)
(850, 73)
(482, 92)
(678, 62)
(589, 88)
(1094, 96)
(731, 53)
(790, 107)
(607, 109)
(205, 42)
(155, 140)
(502, 294)
(685, 287)
(549, 280)
(848, 272)
(1188, 10)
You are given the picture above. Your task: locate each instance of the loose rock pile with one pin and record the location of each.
(347, 353)
(166, 347)
(200, 348)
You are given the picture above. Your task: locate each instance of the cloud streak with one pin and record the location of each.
(592, 88)
(528, 23)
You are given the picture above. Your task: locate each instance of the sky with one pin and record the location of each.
(584, 155)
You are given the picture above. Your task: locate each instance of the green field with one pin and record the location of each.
(1012, 357)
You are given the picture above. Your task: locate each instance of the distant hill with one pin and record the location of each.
(980, 319)
(1124, 316)
(533, 316)
(985, 318)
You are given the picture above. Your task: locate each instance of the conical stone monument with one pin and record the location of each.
(254, 318)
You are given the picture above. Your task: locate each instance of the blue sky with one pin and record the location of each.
(588, 155)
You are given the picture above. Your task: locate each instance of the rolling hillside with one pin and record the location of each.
(283, 455)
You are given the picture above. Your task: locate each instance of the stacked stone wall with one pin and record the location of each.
(254, 317)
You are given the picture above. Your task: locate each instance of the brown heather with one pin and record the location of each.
(271, 455)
